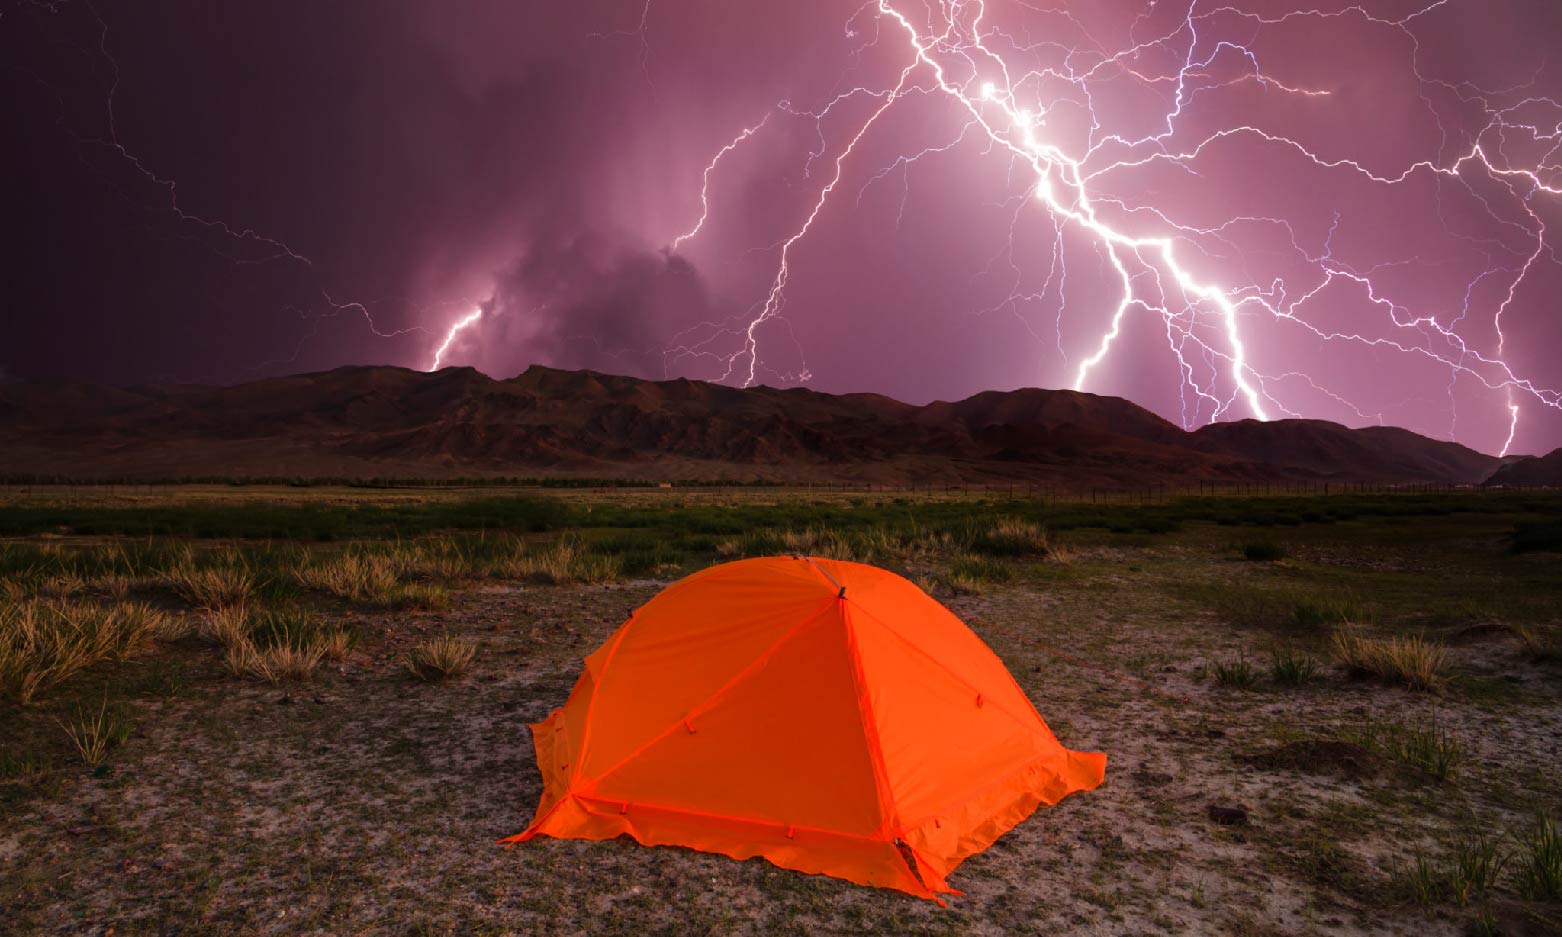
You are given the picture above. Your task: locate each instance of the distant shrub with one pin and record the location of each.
(1544, 535)
(1264, 551)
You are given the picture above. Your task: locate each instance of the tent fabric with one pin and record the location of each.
(828, 716)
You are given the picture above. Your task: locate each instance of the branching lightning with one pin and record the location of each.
(1209, 323)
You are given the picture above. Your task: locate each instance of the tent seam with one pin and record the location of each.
(870, 730)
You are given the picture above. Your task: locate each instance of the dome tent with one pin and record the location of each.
(829, 716)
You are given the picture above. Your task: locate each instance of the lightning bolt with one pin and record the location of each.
(1209, 324)
(465, 322)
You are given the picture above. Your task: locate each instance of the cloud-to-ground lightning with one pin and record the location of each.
(455, 329)
(1005, 85)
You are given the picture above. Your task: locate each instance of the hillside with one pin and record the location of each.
(384, 421)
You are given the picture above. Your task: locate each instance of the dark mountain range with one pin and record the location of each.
(1530, 470)
(383, 421)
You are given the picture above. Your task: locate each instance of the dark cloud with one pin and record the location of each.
(538, 159)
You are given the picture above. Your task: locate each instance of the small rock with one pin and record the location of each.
(1227, 816)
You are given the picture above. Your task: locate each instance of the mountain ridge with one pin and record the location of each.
(364, 420)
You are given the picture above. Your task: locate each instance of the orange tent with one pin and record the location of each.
(828, 716)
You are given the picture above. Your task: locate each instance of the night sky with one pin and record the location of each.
(1218, 210)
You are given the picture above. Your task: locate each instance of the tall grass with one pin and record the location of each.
(1408, 659)
(45, 643)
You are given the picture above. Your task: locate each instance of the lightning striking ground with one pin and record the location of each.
(1209, 319)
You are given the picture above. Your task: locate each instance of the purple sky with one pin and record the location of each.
(1219, 211)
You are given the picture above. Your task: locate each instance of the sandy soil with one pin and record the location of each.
(368, 802)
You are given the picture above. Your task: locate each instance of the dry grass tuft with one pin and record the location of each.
(357, 577)
(44, 643)
(564, 563)
(225, 626)
(1409, 659)
(1538, 645)
(274, 663)
(442, 658)
(825, 542)
(94, 735)
(212, 587)
(336, 645)
(276, 647)
(437, 561)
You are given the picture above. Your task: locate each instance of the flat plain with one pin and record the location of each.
(240, 710)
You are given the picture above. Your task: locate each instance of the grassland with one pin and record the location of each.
(237, 710)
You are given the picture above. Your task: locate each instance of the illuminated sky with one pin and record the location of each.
(1219, 211)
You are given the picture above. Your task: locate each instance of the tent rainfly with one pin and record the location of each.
(829, 716)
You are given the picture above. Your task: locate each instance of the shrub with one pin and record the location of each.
(1408, 659)
(1264, 552)
(442, 658)
(1531, 537)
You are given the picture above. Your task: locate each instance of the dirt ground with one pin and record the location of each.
(365, 801)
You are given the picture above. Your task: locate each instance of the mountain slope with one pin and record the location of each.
(1530, 470)
(363, 421)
